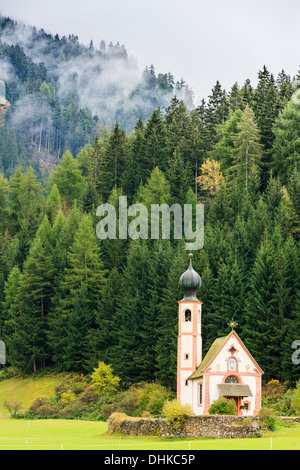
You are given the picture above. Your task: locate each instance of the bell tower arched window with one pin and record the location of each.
(187, 315)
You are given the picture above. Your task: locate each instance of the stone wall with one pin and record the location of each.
(194, 426)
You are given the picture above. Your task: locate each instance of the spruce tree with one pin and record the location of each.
(216, 111)
(247, 155)
(159, 268)
(262, 331)
(85, 274)
(29, 349)
(266, 109)
(115, 161)
(68, 179)
(53, 203)
(104, 338)
(128, 354)
(155, 143)
(286, 148)
(4, 212)
(222, 151)
(10, 304)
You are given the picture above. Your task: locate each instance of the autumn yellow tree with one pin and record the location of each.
(103, 380)
(211, 177)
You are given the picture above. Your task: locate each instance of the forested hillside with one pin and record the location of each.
(62, 92)
(69, 299)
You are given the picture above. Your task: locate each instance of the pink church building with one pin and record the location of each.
(227, 370)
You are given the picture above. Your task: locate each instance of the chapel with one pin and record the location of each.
(228, 369)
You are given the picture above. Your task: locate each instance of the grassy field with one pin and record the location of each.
(26, 390)
(87, 435)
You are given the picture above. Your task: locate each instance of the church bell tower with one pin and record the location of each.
(189, 352)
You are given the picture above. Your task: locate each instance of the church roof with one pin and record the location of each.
(190, 281)
(234, 390)
(213, 351)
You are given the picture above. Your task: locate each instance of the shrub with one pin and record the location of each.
(103, 380)
(67, 397)
(247, 421)
(268, 418)
(63, 387)
(13, 408)
(272, 392)
(264, 413)
(271, 423)
(38, 402)
(176, 413)
(222, 406)
(130, 401)
(295, 399)
(152, 399)
(47, 410)
(89, 396)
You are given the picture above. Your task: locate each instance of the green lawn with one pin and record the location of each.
(87, 435)
(26, 390)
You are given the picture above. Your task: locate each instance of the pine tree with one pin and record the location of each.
(104, 338)
(247, 154)
(4, 212)
(92, 163)
(77, 348)
(155, 191)
(285, 89)
(247, 95)
(266, 109)
(53, 203)
(182, 133)
(10, 304)
(222, 151)
(115, 161)
(235, 98)
(286, 148)
(28, 346)
(63, 232)
(127, 356)
(68, 179)
(155, 143)
(84, 274)
(161, 261)
(138, 168)
(216, 111)
(178, 177)
(25, 199)
(262, 331)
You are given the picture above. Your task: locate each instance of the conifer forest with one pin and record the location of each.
(70, 140)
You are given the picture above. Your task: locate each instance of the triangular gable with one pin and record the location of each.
(215, 349)
(246, 350)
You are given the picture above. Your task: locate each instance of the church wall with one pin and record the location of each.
(194, 426)
(189, 348)
(198, 409)
(186, 391)
(243, 367)
(245, 364)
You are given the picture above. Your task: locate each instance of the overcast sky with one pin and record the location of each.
(201, 41)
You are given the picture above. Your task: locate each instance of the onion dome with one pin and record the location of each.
(190, 281)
